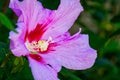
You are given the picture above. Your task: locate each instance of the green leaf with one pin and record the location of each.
(69, 74)
(106, 65)
(50, 4)
(3, 51)
(6, 22)
(20, 71)
(110, 46)
(18, 64)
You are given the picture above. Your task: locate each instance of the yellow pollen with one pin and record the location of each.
(43, 45)
(35, 47)
(38, 46)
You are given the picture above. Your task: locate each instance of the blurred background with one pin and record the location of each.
(100, 20)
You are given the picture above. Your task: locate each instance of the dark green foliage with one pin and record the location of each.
(100, 20)
(6, 22)
(50, 4)
(3, 51)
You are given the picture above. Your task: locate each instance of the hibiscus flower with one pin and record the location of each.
(42, 36)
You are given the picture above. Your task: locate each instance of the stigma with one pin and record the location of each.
(38, 46)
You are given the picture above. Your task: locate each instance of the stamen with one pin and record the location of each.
(50, 40)
(38, 46)
(43, 45)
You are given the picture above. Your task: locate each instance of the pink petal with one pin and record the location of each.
(62, 37)
(30, 12)
(57, 22)
(17, 42)
(75, 53)
(63, 18)
(48, 59)
(42, 71)
(52, 61)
